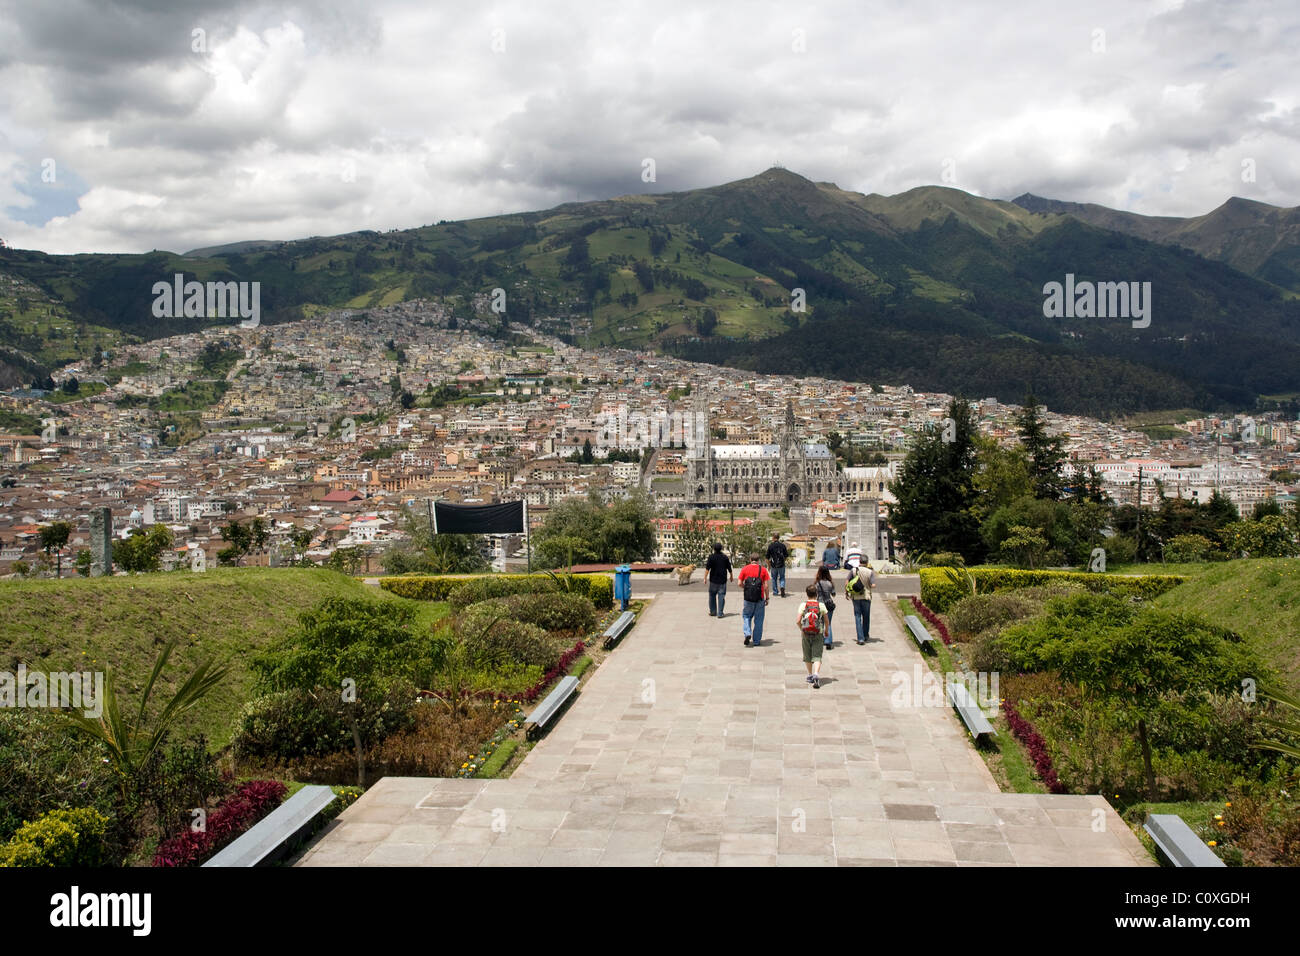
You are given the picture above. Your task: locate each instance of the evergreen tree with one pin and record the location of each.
(936, 490)
(1046, 455)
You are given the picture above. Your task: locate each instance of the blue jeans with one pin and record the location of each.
(751, 620)
(862, 619)
(830, 616)
(717, 597)
(778, 579)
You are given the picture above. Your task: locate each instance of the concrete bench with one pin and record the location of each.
(922, 636)
(969, 709)
(1177, 842)
(618, 628)
(548, 708)
(268, 839)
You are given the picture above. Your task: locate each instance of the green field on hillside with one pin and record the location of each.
(1258, 598)
(226, 613)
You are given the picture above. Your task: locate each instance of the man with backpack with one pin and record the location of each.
(777, 552)
(813, 618)
(753, 580)
(718, 570)
(857, 588)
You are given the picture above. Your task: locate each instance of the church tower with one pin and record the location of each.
(699, 473)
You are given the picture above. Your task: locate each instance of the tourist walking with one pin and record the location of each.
(777, 552)
(754, 581)
(858, 589)
(813, 621)
(853, 556)
(825, 586)
(717, 568)
(831, 556)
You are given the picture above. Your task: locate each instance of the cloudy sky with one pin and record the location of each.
(130, 125)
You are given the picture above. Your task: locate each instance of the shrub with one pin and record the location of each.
(289, 724)
(986, 654)
(980, 612)
(59, 838)
(551, 612)
(1189, 547)
(248, 804)
(434, 745)
(939, 592)
(43, 767)
(492, 640)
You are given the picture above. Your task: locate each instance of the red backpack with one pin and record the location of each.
(810, 618)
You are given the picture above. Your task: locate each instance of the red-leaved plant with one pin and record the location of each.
(933, 620)
(1024, 732)
(239, 811)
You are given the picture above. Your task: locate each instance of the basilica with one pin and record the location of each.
(789, 472)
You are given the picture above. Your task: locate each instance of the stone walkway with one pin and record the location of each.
(687, 748)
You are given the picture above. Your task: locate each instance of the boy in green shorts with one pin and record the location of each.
(813, 619)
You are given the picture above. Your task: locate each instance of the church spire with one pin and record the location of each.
(789, 417)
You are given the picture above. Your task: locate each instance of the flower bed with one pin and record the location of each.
(1024, 731)
(933, 620)
(939, 591)
(236, 814)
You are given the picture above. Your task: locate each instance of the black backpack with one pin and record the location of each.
(754, 585)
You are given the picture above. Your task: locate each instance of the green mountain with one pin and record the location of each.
(932, 287)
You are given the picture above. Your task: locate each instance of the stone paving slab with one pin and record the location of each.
(686, 748)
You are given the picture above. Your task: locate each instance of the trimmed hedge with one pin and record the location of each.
(599, 588)
(940, 593)
(59, 838)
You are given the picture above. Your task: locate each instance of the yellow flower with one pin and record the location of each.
(1228, 804)
(1214, 843)
(1218, 816)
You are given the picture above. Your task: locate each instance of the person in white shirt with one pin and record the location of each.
(853, 556)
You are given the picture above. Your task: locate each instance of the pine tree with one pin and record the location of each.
(936, 490)
(1046, 455)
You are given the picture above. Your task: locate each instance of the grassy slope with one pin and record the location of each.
(1259, 598)
(226, 614)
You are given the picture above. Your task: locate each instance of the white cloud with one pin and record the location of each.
(254, 139)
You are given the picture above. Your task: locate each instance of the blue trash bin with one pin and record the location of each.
(623, 584)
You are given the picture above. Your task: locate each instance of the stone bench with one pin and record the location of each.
(919, 633)
(548, 708)
(969, 709)
(268, 839)
(1177, 842)
(618, 628)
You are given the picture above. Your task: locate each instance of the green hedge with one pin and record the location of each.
(59, 838)
(599, 588)
(939, 592)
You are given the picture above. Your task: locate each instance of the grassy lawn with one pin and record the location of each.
(226, 613)
(1258, 598)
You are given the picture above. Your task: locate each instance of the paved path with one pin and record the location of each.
(687, 748)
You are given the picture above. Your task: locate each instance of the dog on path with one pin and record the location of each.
(684, 574)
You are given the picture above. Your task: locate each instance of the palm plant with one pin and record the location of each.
(133, 740)
(1289, 724)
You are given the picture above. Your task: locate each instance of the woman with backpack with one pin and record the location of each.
(825, 585)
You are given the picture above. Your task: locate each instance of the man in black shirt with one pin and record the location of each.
(776, 555)
(718, 570)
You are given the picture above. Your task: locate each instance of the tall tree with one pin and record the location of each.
(1046, 455)
(54, 537)
(935, 488)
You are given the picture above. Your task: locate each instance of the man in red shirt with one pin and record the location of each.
(754, 587)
